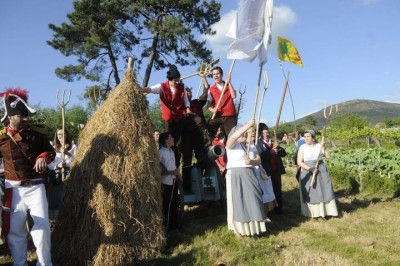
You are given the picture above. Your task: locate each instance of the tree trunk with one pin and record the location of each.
(152, 56)
(114, 65)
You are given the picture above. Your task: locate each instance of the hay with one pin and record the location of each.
(111, 210)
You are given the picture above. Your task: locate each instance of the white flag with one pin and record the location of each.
(251, 30)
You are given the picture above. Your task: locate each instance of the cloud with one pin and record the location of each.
(284, 18)
(220, 42)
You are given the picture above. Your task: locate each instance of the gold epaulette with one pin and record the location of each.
(39, 128)
(3, 131)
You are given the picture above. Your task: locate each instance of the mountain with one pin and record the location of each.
(374, 111)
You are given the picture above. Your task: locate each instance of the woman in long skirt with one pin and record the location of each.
(244, 196)
(317, 200)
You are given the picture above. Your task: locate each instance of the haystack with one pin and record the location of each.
(111, 210)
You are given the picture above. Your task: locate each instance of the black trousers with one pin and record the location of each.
(228, 123)
(276, 179)
(171, 206)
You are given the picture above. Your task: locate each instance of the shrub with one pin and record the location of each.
(374, 183)
(342, 178)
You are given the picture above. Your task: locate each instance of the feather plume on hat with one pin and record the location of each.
(15, 102)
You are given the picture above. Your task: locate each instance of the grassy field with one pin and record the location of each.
(367, 232)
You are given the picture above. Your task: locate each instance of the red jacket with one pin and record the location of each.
(172, 106)
(226, 106)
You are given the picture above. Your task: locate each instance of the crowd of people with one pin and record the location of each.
(252, 169)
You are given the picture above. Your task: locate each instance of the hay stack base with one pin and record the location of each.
(111, 210)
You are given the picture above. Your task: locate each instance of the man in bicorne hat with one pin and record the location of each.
(26, 151)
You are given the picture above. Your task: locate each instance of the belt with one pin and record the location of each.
(29, 183)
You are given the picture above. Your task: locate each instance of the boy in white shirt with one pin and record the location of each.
(169, 177)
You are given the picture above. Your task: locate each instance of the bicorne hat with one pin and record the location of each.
(15, 103)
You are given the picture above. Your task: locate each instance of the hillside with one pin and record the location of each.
(374, 111)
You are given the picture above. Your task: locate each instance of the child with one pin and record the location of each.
(169, 174)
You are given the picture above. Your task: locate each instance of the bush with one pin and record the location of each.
(381, 185)
(342, 178)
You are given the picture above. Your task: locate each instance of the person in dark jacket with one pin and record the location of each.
(271, 159)
(26, 152)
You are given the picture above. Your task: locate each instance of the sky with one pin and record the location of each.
(350, 50)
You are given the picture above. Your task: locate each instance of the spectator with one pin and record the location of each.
(169, 177)
(156, 135)
(271, 160)
(58, 169)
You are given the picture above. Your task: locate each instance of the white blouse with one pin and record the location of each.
(68, 159)
(310, 152)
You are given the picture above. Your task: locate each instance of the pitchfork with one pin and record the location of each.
(62, 103)
(240, 99)
(327, 116)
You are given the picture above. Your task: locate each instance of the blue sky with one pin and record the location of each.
(349, 49)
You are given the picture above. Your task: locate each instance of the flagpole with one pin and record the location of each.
(255, 104)
(280, 108)
(223, 89)
(266, 84)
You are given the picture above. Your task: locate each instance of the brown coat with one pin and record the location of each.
(20, 160)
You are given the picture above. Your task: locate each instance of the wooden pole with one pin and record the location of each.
(266, 84)
(62, 105)
(255, 105)
(280, 108)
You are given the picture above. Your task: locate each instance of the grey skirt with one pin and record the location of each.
(246, 195)
(322, 190)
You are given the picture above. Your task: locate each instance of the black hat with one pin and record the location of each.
(173, 73)
(262, 126)
(15, 103)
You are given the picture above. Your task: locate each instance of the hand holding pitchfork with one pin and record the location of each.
(327, 116)
(62, 105)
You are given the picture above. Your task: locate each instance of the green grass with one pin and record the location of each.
(366, 233)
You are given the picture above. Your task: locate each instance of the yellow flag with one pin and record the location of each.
(288, 52)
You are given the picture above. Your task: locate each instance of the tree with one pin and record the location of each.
(102, 32)
(155, 116)
(348, 121)
(310, 121)
(51, 119)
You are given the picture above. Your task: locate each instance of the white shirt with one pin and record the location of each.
(167, 159)
(310, 152)
(238, 154)
(156, 89)
(68, 159)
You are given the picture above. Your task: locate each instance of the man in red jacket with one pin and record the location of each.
(226, 110)
(26, 151)
(175, 105)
